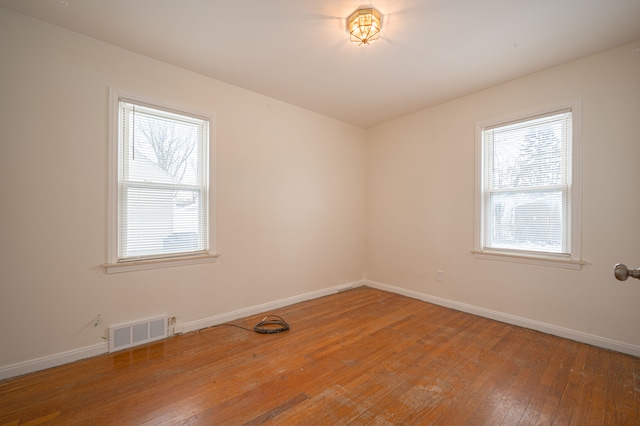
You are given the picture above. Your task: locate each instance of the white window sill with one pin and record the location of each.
(138, 265)
(530, 259)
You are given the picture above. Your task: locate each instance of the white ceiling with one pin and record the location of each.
(298, 51)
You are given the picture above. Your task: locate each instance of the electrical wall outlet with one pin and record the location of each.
(440, 276)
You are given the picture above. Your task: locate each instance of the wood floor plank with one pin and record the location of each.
(510, 408)
(589, 394)
(569, 398)
(362, 356)
(485, 382)
(621, 400)
(419, 368)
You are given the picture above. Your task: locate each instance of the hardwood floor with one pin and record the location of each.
(363, 356)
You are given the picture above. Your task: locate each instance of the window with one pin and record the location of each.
(160, 191)
(528, 188)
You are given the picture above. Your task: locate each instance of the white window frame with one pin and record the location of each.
(113, 264)
(573, 260)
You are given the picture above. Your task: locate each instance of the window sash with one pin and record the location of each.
(526, 203)
(162, 210)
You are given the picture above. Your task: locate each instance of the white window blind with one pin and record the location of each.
(162, 182)
(526, 185)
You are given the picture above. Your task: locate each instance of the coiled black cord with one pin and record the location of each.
(270, 324)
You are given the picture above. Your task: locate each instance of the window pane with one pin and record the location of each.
(162, 149)
(530, 221)
(160, 221)
(528, 155)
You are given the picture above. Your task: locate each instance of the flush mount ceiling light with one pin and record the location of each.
(364, 26)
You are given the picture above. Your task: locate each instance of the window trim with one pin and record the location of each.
(113, 265)
(570, 261)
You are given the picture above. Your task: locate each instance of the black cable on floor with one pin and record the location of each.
(270, 324)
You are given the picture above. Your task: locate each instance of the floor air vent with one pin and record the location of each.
(124, 336)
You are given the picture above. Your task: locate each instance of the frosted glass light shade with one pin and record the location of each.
(364, 26)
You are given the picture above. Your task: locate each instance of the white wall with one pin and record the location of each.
(290, 190)
(421, 192)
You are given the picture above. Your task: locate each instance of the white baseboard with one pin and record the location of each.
(54, 360)
(265, 307)
(567, 333)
